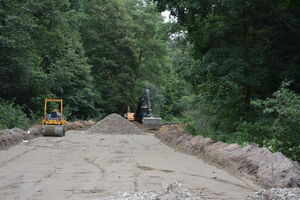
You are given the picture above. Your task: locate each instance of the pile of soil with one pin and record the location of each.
(80, 125)
(9, 137)
(172, 192)
(115, 124)
(276, 194)
(269, 169)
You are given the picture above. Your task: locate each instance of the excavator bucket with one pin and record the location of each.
(54, 130)
(152, 123)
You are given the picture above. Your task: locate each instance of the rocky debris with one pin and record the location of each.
(80, 125)
(276, 194)
(9, 137)
(115, 124)
(269, 169)
(175, 191)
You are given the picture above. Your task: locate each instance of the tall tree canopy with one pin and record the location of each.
(243, 50)
(110, 45)
(96, 54)
(42, 56)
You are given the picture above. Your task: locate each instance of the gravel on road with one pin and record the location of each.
(173, 191)
(276, 194)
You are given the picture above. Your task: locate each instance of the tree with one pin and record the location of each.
(42, 56)
(16, 57)
(110, 46)
(284, 109)
(63, 70)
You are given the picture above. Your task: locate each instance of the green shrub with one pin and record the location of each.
(11, 116)
(285, 106)
(257, 132)
(191, 128)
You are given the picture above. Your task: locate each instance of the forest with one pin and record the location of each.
(228, 69)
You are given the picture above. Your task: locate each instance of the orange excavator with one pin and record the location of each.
(129, 115)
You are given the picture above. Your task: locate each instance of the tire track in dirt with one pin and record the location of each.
(92, 162)
(218, 180)
(16, 157)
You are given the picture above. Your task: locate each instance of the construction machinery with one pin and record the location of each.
(54, 122)
(143, 113)
(129, 115)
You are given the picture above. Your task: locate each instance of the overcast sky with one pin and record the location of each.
(168, 17)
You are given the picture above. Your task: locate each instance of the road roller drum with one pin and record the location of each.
(54, 130)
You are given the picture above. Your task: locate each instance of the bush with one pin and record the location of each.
(191, 128)
(258, 132)
(285, 106)
(12, 116)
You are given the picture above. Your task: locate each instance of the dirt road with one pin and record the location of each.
(81, 166)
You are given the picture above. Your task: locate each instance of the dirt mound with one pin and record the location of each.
(80, 125)
(115, 124)
(9, 137)
(276, 194)
(172, 192)
(270, 169)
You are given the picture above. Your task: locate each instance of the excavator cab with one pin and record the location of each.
(54, 122)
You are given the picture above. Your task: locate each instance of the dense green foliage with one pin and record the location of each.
(42, 56)
(97, 55)
(284, 108)
(241, 50)
(110, 46)
(12, 116)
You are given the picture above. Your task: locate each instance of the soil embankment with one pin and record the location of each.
(269, 169)
(9, 137)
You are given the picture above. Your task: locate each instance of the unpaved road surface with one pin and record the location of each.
(93, 166)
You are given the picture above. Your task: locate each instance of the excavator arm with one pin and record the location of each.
(143, 114)
(143, 111)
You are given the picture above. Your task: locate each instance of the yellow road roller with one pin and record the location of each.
(54, 123)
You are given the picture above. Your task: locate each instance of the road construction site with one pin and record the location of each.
(113, 160)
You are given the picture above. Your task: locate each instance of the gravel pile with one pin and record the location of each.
(174, 191)
(115, 124)
(276, 194)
